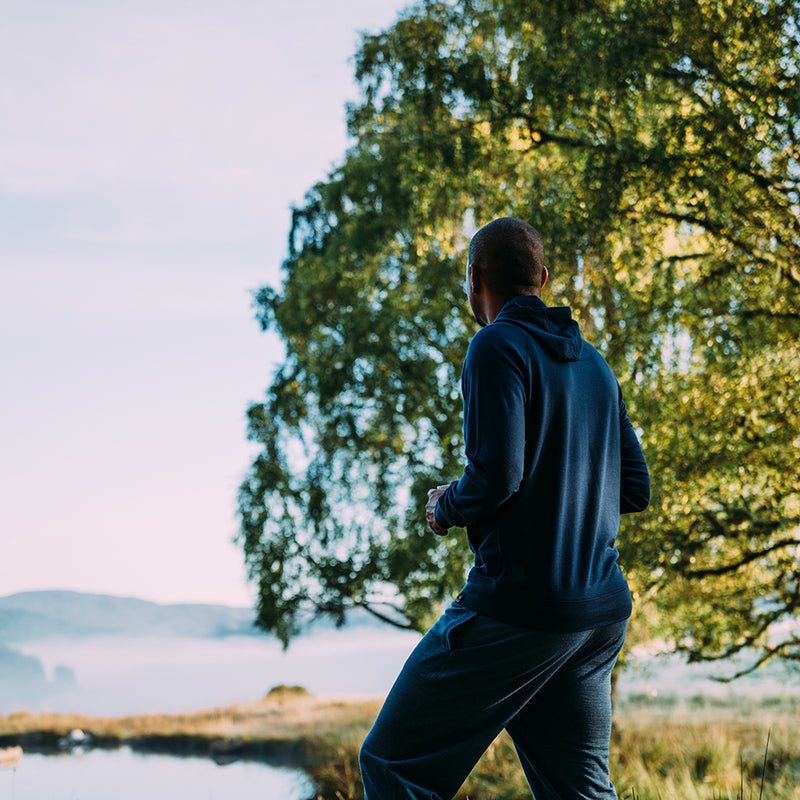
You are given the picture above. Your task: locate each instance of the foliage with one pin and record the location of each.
(656, 146)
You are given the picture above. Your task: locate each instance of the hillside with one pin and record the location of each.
(45, 614)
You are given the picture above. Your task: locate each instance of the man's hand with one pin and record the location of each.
(430, 508)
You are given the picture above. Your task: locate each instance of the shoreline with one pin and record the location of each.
(289, 722)
(285, 728)
(658, 745)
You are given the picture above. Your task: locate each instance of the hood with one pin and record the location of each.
(553, 328)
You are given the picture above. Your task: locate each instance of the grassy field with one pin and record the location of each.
(697, 750)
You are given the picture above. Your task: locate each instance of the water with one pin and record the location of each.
(125, 775)
(122, 675)
(118, 675)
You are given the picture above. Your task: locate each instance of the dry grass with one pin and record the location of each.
(723, 753)
(658, 753)
(286, 713)
(717, 753)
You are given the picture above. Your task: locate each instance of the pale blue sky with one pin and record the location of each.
(149, 153)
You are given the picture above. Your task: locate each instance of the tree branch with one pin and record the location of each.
(747, 559)
(406, 626)
(767, 654)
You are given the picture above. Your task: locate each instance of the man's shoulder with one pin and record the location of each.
(495, 351)
(493, 338)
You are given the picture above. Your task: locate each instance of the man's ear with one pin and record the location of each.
(474, 278)
(545, 275)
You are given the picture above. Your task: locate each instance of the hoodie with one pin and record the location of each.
(552, 462)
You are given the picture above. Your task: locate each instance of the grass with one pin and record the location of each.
(737, 752)
(664, 751)
(286, 713)
(708, 751)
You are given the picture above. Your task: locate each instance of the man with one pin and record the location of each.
(530, 642)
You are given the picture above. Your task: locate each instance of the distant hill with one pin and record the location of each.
(45, 614)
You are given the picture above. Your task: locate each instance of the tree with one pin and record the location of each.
(656, 146)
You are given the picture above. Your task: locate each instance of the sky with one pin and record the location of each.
(150, 152)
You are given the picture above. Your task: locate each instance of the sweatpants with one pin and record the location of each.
(470, 677)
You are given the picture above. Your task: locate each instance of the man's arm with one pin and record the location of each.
(494, 432)
(634, 490)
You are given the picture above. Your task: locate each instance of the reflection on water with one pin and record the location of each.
(125, 775)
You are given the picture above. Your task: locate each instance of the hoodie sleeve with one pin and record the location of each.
(493, 388)
(634, 490)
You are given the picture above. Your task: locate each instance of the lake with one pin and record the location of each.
(125, 775)
(122, 675)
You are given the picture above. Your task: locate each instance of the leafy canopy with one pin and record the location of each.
(656, 146)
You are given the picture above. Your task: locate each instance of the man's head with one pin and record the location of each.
(506, 259)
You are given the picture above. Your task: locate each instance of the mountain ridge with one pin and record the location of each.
(42, 614)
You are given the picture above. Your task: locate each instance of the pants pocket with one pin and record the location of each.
(458, 619)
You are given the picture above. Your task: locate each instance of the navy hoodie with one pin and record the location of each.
(552, 462)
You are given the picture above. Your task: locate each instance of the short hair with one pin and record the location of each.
(510, 253)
